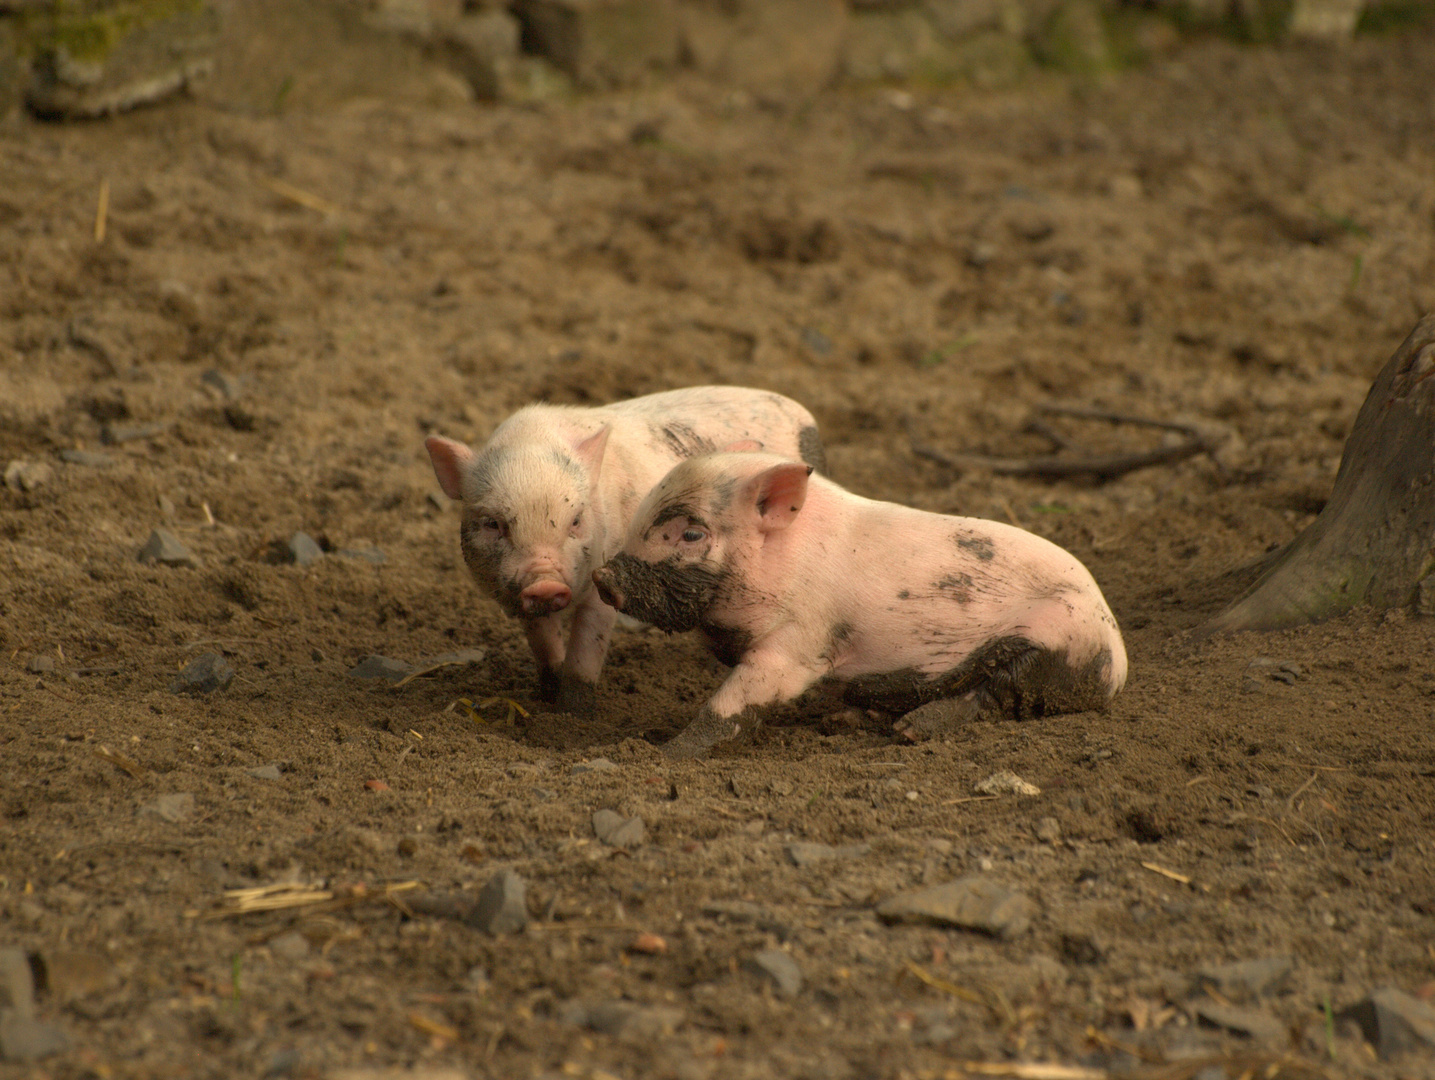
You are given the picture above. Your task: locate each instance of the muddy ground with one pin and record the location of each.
(1236, 237)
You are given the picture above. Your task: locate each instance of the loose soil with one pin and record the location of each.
(1238, 238)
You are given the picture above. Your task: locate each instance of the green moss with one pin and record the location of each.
(89, 33)
(1396, 17)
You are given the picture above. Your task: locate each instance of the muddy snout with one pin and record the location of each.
(545, 597)
(606, 583)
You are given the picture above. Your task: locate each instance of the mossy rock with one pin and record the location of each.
(90, 59)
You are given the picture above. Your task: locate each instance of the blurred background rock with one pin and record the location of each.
(72, 59)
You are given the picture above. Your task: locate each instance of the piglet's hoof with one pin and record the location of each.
(707, 731)
(937, 718)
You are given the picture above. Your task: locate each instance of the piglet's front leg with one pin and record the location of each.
(736, 709)
(545, 638)
(589, 636)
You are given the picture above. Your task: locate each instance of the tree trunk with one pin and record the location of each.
(1374, 543)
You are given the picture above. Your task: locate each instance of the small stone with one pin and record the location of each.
(17, 981)
(972, 902)
(303, 550)
(502, 906)
(1080, 949)
(223, 385)
(87, 458)
(477, 979)
(651, 944)
(41, 665)
(613, 828)
(380, 667)
(1246, 979)
(367, 554)
(112, 434)
(1393, 1022)
(781, 968)
(24, 1038)
(1252, 1023)
(1048, 830)
(265, 772)
(208, 673)
(316, 654)
(291, 947)
(28, 475)
(625, 1020)
(173, 808)
(804, 854)
(376, 785)
(1005, 782)
(598, 764)
(164, 547)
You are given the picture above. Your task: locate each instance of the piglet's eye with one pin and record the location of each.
(490, 524)
(692, 536)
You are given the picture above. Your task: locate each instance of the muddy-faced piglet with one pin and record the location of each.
(794, 580)
(549, 498)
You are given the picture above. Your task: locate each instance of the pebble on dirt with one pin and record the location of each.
(613, 828)
(88, 458)
(973, 903)
(1393, 1022)
(367, 554)
(1005, 782)
(41, 665)
(303, 550)
(1246, 979)
(28, 475)
(805, 854)
(204, 675)
(1252, 1023)
(502, 906)
(598, 764)
(380, 667)
(265, 772)
(173, 808)
(625, 1020)
(165, 548)
(780, 968)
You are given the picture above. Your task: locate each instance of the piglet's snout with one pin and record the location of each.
(608, 588)
(545, 597)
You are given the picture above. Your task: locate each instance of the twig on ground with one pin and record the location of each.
(1099, 467)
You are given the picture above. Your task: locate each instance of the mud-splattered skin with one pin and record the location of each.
(548, 499)
(795, 581)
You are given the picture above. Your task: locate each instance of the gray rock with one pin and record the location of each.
(28, 475)
(1246, 979)
(224, 385)
(17, 981)
(303, 550)
(113, 434)
(380, 667)
(625, 1020)
(265, 772)
(165, 548)
(204, 675)
(291, 947)
(598, 764)
(1048, 830)
(1393, 1022)
(778, 966)
(502, 906)
(972, 902)
(613, 828)
(41, 665)
(804, 854)
(1252, 1023)
(87, 458)
(367, 554)
(24, 1038)
(173, 808)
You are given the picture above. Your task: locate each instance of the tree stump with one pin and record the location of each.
(1374, 543)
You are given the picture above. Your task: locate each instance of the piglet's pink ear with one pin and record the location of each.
(589, 451)
(779, 493)
(450, 460)
(742, 446)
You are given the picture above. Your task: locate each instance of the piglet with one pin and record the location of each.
(549, 497)
(794, 580)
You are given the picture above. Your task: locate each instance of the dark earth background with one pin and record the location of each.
(286, 300)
